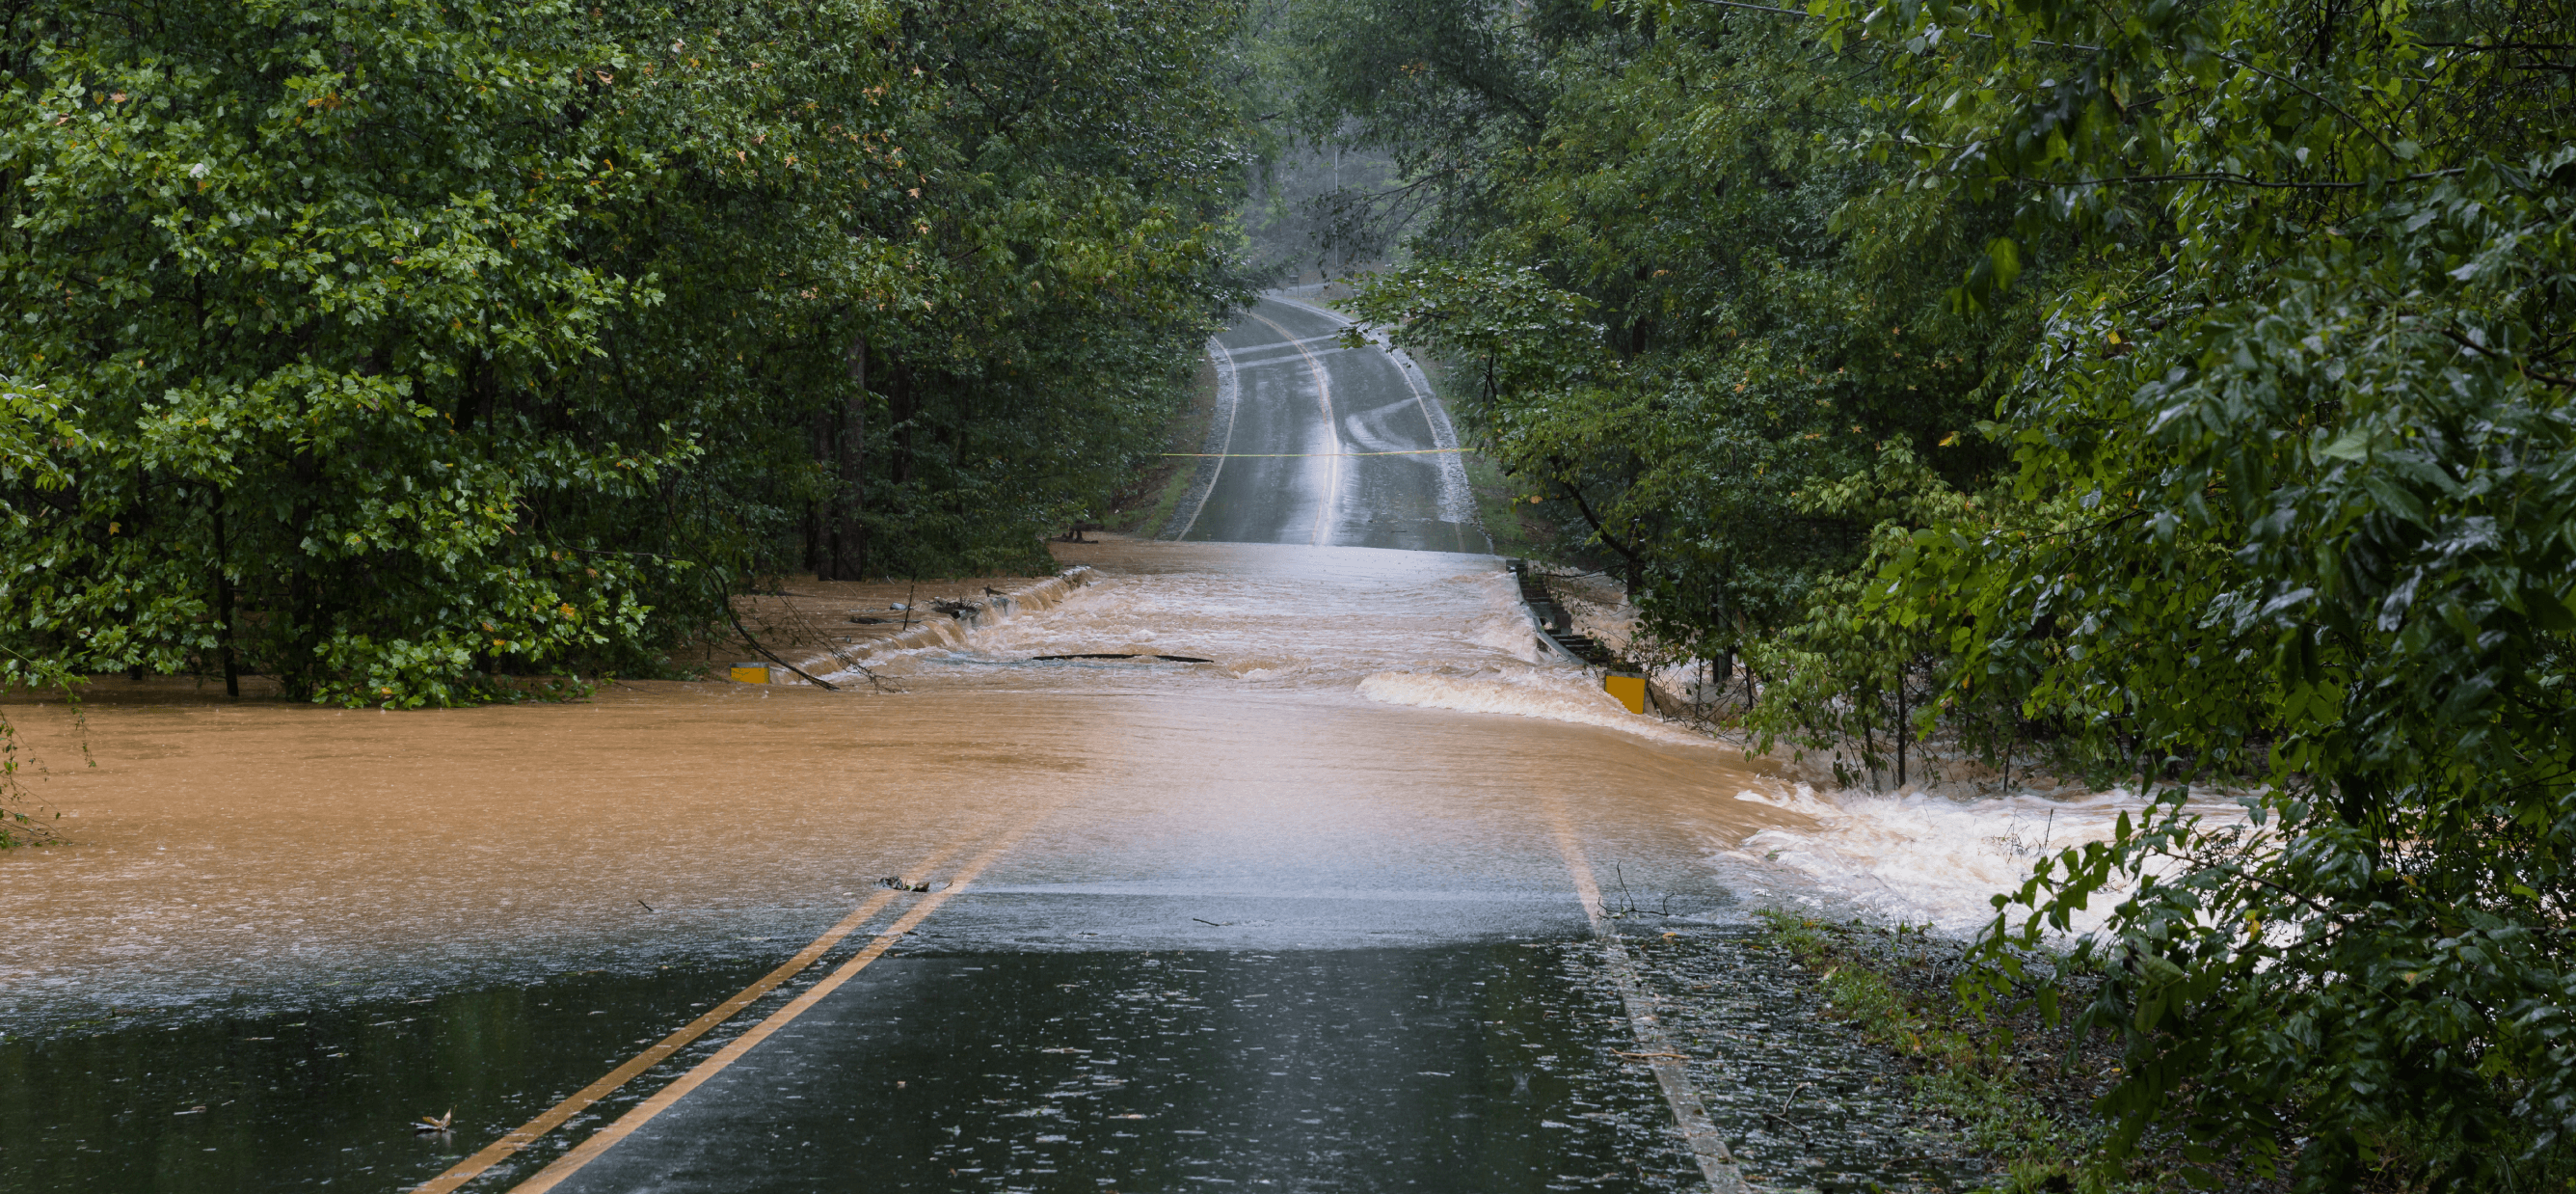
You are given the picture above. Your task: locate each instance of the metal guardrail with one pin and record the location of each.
(1555, 624)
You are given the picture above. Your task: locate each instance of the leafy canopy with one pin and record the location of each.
(381, 347)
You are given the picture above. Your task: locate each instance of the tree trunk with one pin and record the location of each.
(846, 532)
(1636, 569)
(818, 546)
(301, 669)
(1904, 728)
(224, 603)
(474, 403)
(899, 398)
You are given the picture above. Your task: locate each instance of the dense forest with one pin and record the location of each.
(2172, 393)
(384, 347)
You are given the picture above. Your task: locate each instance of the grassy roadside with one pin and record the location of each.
(2005, 1081)
(2023, 1090)
(2020, 1089)
(1147, 502)
(1500, 508)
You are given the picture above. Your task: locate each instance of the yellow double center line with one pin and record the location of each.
(588, 1150)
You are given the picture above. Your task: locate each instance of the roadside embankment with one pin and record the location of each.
(823, 628)
(1597, 608)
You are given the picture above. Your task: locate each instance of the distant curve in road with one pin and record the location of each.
(1324, 445)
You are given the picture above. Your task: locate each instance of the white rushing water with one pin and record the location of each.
(1429, 630)
(1445, 632)
(1368, 722)
(1929, 859)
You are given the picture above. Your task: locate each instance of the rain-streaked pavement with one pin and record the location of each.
(1328, 445)
(1304, 917)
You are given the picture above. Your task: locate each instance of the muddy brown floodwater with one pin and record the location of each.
(1374, 725)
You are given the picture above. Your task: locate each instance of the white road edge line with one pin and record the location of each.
(1229, 396)
(1457, 497)
(1698, 1131)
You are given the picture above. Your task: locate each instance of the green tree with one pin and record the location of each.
(1685, 305)
(2296, 478)
(384, 346)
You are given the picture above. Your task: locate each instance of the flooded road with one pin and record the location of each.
(1316, 913)
(265, 890)
(1490, 1067)
(228, 850)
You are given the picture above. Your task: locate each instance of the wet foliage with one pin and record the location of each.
(386, 348)
(2291, 509)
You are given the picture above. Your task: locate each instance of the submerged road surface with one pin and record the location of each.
(1328, 446)
(1322, 913)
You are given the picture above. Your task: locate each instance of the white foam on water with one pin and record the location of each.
(1508, 674)
(1506, 627)
(1557, 694)
(1328, 621)
(1391, 631)
(1264, 628)
(1510, 635)
(1923, 858)
(1446, 633)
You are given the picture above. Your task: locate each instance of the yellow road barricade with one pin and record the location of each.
(1629, 687)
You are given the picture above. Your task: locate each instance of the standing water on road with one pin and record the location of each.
(1427, 629)
(284, 933)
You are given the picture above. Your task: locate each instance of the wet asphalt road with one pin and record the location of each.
(1290, 1061)
(1329, 445)
(1345, 1070)
(1231, 991)
(1483, 1067)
